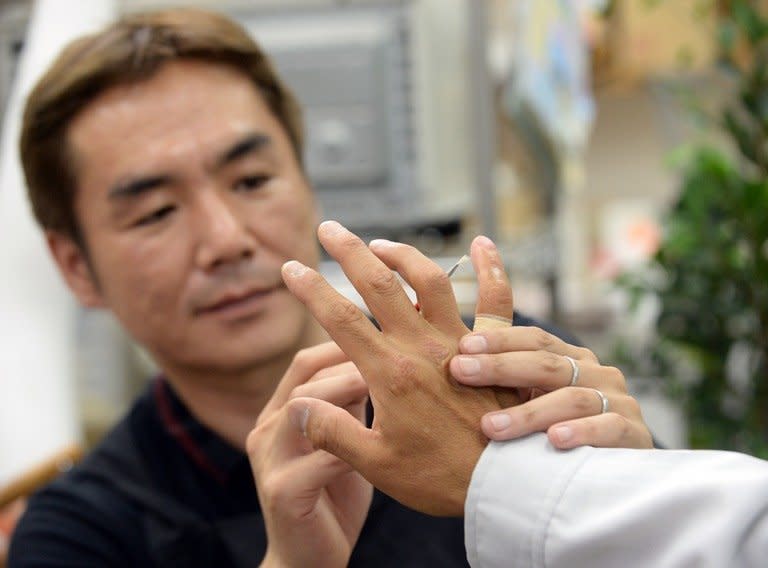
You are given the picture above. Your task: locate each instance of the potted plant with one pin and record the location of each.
(710, 274)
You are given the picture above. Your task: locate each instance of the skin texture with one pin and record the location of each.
(190, 200)
(531, 360)
(406, 367)
(166, 260)
(314, 503)
(422, 447)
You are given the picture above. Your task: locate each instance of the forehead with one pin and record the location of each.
(186, 109)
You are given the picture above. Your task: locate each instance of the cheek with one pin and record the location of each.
(141, 280)
(290, 228)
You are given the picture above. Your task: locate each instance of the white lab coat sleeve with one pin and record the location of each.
(531, 505)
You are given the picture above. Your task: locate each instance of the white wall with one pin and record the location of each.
(37, 349)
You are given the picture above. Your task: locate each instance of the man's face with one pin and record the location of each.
(190, 199)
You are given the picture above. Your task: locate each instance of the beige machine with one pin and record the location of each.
(387, 91)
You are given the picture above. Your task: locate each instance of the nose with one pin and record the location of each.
(223, 235)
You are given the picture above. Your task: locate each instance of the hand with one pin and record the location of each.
(424, 441)
(314, 505)
(9, 516)
(534, 360)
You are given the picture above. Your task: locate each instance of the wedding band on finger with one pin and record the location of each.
(605, 406)
(574, 370)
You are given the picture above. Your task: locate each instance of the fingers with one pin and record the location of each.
(609, 430)
(430, 282)
(538, 414)
(494, 301)
(522, 338)
(543, 370)
(352, 331)
(305, 364)
(345, 368)
(291, 490)
(340, 390)
(335, 431)
(345, 392)
(376, 283)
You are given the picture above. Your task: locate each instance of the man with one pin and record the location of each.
(162, 157)
(526, 504)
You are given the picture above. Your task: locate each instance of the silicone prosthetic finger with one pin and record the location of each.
(495, 304)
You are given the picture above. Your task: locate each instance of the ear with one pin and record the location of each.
(75, 268)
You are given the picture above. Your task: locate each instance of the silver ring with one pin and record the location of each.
(574, 370)
(603, 401)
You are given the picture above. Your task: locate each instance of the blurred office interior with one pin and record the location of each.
(544, 124)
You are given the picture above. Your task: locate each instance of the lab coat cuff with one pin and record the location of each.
(514, 489)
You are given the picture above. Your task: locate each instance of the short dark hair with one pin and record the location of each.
(130, 50)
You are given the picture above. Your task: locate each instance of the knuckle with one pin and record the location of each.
(297, 392)
(437, 350)
(551, 363)
(542, 340)
(302, 360)
(435, 279)
(633, 407)
(253, 442)
(617, 378)
(587, 354)
(498, 365)
(584, 400)
(325, 434)
(404, 375)
(384, 281)
(528, 415)
(343, 314)
(621, 425)
(349, 242)
(275, 488)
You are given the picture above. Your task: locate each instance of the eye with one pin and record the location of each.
(251, 183)
(155, 216)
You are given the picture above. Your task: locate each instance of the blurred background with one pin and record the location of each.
(614, 149)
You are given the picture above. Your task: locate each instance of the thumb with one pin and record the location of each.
(333, 429)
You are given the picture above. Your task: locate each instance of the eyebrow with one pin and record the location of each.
(249, 144)
(136, 187)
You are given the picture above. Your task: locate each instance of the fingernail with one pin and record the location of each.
(469, 365)
(500, 421)
(485, 242)
(299, 416)
(330, 228)
(381, 243)
(563, 433)
(473, 344)
(294, 269)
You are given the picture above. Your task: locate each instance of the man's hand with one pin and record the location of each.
(425, 439)
(314, 505)
(536, 362)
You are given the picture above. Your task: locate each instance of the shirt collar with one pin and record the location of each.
(209, 451)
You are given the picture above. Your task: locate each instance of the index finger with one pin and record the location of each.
(521, 338)
(349, 327)
(374, 280)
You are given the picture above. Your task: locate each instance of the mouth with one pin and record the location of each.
(240, 304)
